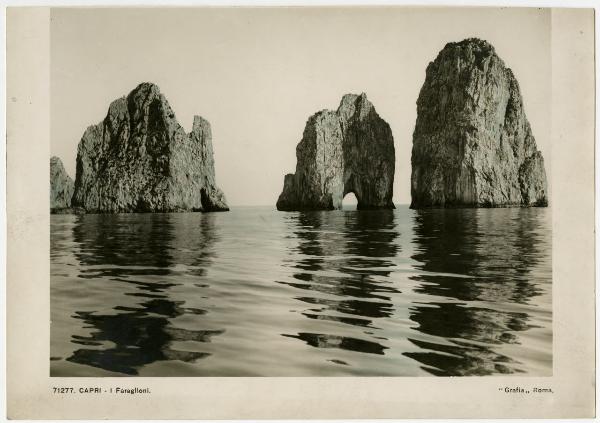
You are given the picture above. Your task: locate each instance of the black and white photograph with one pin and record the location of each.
(297, 211)
(232, 195)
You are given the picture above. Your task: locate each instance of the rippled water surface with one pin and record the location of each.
(256, 292)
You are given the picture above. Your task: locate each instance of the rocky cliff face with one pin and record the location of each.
(347, 150)
(139, 159)
(472, 144)
(61, 186)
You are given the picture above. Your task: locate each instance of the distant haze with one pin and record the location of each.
(257, 74)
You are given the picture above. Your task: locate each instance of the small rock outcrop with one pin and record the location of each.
(472, 144)
(139, 159)
(61, 186)
(347, 150)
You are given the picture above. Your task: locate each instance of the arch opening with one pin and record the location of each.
(349, 202)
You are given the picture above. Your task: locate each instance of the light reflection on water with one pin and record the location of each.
(256, 292)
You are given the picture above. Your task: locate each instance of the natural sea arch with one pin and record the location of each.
(347, 150)
(349, 202)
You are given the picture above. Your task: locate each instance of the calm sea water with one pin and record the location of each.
(256, 292)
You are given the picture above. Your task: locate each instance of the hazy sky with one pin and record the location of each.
(257, 75)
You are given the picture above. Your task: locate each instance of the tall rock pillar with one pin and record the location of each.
(472, 143)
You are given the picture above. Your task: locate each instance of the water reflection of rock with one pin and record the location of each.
(150, 253)
(343, 342)
(124, 245)
(344, 263)
(487, 256)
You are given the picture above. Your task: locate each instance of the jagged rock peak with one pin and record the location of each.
(474, 50)
(347, 150)
(139, 159)
(472, 43)
(61, 186)
(472, 144)
(357, 106)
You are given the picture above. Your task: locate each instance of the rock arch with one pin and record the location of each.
(350, 199)
(347, 150)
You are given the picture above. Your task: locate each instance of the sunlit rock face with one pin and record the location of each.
(61, 186)
(139, 159)
(347, 150)
(472, 144)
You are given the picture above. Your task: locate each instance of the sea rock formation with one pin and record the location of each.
(61, 186)
(472, 144)
(347, 150)
(139, 159)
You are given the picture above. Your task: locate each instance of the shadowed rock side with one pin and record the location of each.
(139, 159)
(472, 144)
(349, 150)
(61, 186)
